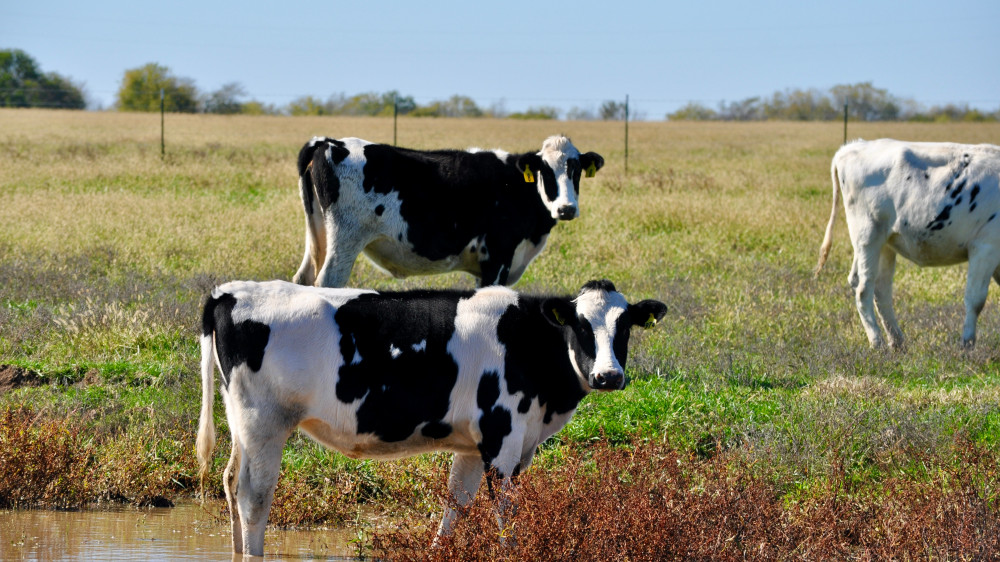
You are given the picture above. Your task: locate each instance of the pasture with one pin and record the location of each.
(756, 404)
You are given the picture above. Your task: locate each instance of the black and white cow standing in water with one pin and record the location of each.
(413, 212)
(487, 374)
(932, 203)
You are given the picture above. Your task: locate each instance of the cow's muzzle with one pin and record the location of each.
(608, 380)
(567, 212)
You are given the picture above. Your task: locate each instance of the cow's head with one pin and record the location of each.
(556, 171)
(596, 327)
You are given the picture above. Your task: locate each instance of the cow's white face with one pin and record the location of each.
(557, 169)
(596, 326)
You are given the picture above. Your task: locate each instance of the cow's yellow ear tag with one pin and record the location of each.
(528, 176)
(591, 170)
(560, 319)
(650, 322)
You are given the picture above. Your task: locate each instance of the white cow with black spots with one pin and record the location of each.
(488, 375)
(932, 203)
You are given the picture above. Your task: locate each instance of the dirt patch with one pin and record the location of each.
(12, 376)
(91, 377)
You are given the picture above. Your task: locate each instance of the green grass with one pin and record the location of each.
(107, 250)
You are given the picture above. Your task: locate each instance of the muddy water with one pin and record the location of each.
(185, 532)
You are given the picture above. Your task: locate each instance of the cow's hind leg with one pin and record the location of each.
(230, 481)
(883, 297)
(315, 251)
(259, 466)
(984, 259)
(344, 243)
(864, 278)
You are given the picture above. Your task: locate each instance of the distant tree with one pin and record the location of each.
(749, 109)
(140, 90)
(455, 106)
(580, 114)
(254, 107)
(612, 111)
(799, 105)
(544, 112)
(307, 105)
(497, 110)
(693, 111)
(23, 84)
(865, 102)
(225, 100)
(373, 103)
(404, 104)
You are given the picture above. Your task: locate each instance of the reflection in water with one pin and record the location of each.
(185, 532)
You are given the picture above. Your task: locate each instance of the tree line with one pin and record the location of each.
(23, 84)
(863, 102)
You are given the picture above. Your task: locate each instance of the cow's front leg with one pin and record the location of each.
(466, 475)
(864, 278)
(502, 490)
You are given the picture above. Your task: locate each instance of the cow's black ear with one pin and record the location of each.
(558, 312)
(646, 313)
(529, 164)
(591, 162)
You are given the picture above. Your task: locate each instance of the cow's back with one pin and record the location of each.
(933, 199)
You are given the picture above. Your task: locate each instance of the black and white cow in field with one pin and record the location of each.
(413, 212)
(488, 374)
(932, 203)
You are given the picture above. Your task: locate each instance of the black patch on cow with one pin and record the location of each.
(939, 221)
(379, 210)
(536, 361)
(449, 197)
(958, 201)
(548, 178)
(401, 388)
(235, 343)
(993, 216)
(573, 170)
(973, 193)
(972, 207)
(436, 430)
(316, 174)
(324, 177)
(958, 188)
(495, 420)
(524, 405)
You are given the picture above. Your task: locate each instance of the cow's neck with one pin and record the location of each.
(537, 360)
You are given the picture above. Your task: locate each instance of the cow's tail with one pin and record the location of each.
(205, 443)
(314, 239)
(824, 249)
(305, 166)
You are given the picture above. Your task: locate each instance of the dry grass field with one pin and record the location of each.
(106, 250)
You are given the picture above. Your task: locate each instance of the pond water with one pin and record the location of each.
(184, 532)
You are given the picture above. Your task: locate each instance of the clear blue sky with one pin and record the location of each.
(662, 53)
